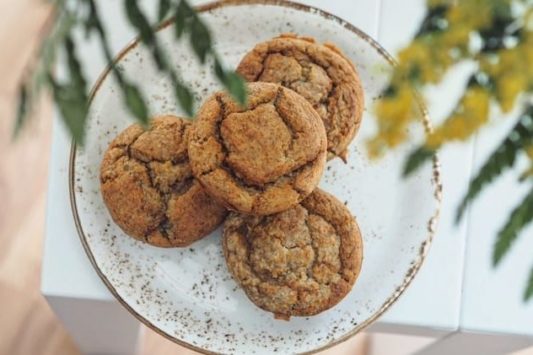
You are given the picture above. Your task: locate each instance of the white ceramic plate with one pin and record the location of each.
(187, 294)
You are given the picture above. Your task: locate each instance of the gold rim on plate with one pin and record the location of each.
(436, 180)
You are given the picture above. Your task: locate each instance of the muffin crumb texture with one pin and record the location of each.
(322, 74)
(148, 186)
(299, 262)
(261, 159)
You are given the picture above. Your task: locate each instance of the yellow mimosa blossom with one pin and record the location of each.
(474, 14)
(429, 56)
(496, 36)
(417, 52)
(471, 113)
(393, 113)
(508, 88)
(529, 171)
(527, 52)
(457, 36)
(511, 71)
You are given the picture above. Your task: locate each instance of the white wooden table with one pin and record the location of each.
(457, 298)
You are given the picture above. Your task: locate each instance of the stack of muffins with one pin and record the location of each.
(294, 249)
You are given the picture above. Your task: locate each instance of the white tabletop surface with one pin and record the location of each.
(440, 298)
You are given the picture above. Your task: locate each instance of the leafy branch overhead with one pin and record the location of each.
(504, 157)
(498, 37)
(519, 218)
(71, 92)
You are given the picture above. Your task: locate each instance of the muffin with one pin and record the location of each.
(261, 159)
(321, 74)
(148, 187)
(299, 262)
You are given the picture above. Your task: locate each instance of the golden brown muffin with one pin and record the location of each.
(299, 262)
(261, 159)
(321, 74)
(148, 187)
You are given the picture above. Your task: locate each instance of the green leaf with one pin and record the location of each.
(139, 21)
(71, 97)
(74, 66)
(147, 34)
(135, 103)
(164, 8)
(185, 97)
(91, 22)
(232, 81)
(200, 39)
(529, 287)
(236, 86)
(73, 109)
(219, 70)
(99, 28)
(48, 50)
(519, 218)
(65, 22)
(183, 14)
(148, 37)
(22, 111)
(159, 57)
(520, 137)
(416, 159)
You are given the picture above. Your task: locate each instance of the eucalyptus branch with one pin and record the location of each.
(187, 20)
(36, 72)
(148, 37)
(71, 95)
(133, 98)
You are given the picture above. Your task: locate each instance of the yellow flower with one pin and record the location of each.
(527, 52)
(428, 57)
(512, 72)
(393, 113)
(471, 113)
(508, 88)
(415, 52)
(473, 14)
(529, 171)
(457, 36)
(395, 110)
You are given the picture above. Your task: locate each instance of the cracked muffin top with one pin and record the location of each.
(321, 74)
(148, 187)
(299, 262)
(261, 159)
